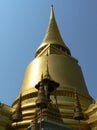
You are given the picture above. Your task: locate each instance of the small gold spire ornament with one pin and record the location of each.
(78, 114)
(17, 115)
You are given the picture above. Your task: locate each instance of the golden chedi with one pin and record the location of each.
(52, 55)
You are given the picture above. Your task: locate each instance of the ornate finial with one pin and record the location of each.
(52, 13)
(47, 68)
(42, 77)
(78, 114)
(52, 6)
(17, 115)
(47, 75)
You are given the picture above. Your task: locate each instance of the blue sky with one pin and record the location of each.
(22, 27)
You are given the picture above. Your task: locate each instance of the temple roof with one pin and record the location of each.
(52, 35)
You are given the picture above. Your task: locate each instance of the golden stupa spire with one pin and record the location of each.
(52, 35)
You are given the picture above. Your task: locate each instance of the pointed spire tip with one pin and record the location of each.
(52, 13)
(52, 6)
